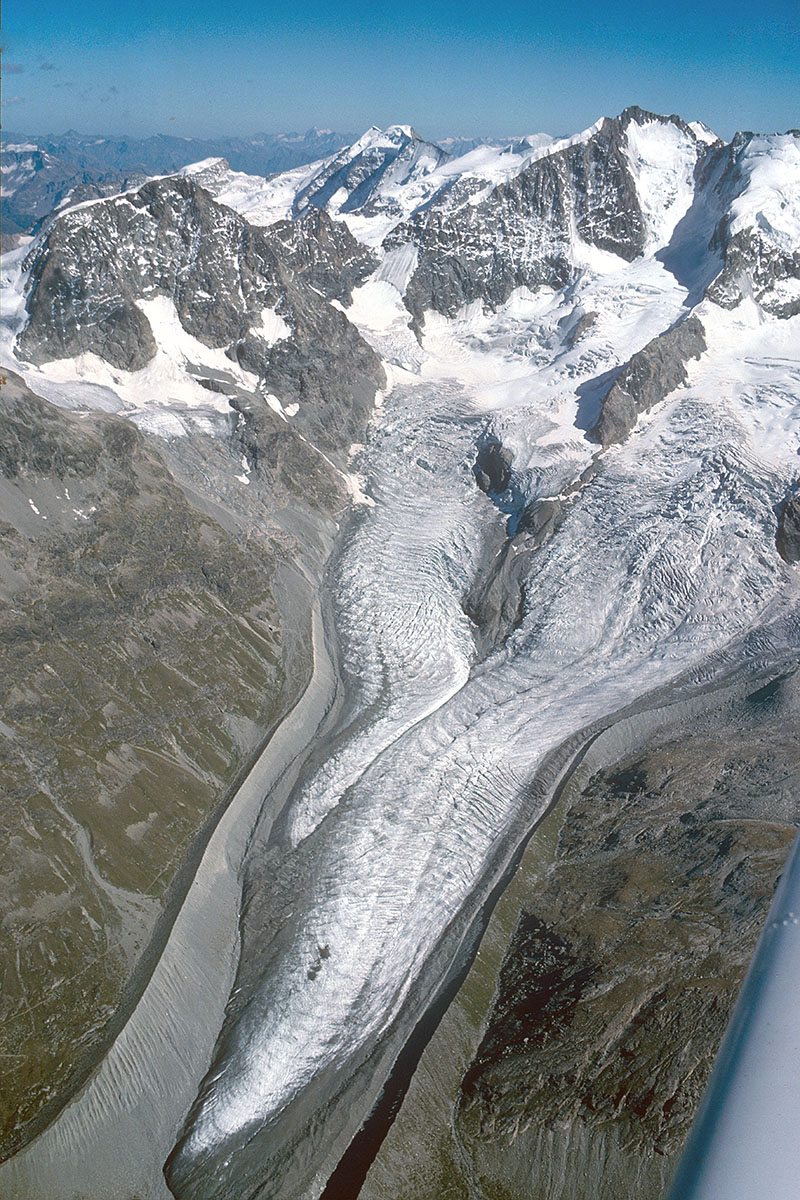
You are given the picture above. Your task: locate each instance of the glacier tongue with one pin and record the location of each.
(353, 911)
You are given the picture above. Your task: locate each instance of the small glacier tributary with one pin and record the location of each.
(356, 907)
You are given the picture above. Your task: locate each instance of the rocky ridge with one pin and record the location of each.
(225, 279)
(476, 229)
(362, 176)
(585, 191)
(647, 378)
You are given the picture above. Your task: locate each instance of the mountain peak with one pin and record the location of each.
(643, 116)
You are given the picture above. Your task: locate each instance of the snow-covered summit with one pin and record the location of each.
(388, 176)
(208, 172)
(639, 201)
(380, 180)
(702, 132)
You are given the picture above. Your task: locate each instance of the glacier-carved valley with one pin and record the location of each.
(512, 436)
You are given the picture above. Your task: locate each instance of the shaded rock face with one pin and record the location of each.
(168, 238)
(324, 253)
(289, 465)
(171, 239)
(759, 259)
(493, 467)
(788, 535)
(496, 601)
(541, 520)
(756, 266)
(521, 234)
(35, 440)
(621, 975)
(647, 378)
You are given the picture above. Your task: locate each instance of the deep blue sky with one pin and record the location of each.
(453, 66)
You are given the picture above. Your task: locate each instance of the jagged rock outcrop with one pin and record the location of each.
(522, 233)
(224, 277)
(496, 601)
(493, 467)
(585, 322)
(757, 235)
(757, 267)
(541, 520)
(647, 378)
(788, 533)
(324, 254)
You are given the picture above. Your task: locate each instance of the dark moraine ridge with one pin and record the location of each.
(579, 1037)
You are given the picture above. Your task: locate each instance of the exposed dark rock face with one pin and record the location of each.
(585, 322)
(493, 467)
(788, 535)
(34, 439)
(754, 264)
(587, 187)
(647, 378)
(756, 259)
(324, 253)
(289, 465)
(170, 238)
(496, 600)
(540, 520)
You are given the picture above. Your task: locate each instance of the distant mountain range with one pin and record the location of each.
(39, 171)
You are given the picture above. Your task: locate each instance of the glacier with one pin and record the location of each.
(442, 744)
(662, 562)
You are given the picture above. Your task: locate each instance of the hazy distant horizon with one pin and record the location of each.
(458, 68)
(7, 135)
